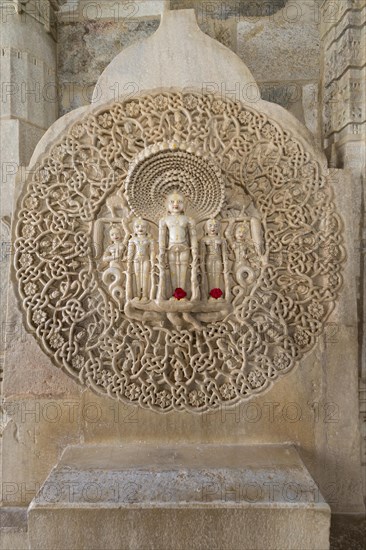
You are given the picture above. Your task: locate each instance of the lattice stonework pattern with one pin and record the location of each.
(93, 275)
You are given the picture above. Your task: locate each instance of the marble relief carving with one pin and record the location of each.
(177, 251)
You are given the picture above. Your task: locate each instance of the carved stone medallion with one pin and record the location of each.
(177, 251)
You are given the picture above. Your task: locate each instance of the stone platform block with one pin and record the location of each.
(144, 496)
(13, 528)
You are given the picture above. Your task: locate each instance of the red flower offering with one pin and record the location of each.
(179, 294)
(216, 293)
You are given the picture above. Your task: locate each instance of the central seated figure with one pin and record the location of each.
(178, 251)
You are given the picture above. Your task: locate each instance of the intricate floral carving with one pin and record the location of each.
(277, 240)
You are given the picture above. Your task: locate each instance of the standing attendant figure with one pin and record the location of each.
(140, 262)
(214, 262)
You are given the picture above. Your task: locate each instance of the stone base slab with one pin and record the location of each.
(195, 497)
(13, 528)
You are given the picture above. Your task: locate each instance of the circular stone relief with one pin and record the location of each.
(177, 251)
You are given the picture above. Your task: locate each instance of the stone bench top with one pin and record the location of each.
(148, 475)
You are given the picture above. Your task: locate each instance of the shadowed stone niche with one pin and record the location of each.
(177, 251)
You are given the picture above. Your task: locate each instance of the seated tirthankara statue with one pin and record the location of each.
(140, 263)
(178, 250)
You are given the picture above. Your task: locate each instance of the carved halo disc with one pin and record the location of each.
(278, 223)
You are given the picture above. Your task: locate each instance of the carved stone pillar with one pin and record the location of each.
(343, 35)
(28, 79)
(344, 45)
(29, 105)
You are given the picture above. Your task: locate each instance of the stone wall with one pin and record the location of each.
(280, 45)
(343, 37)
(284, 48)
(29, 105)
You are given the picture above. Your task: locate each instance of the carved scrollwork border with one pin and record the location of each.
(271, 327)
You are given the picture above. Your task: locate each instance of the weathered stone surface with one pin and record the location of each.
(36, 433)
(224, 32)
(343, 33)
(13, 529)
(347, 532)
(6, 256)
(46, 381)
(91, 47)
(237, 9)
(29, 102)
(84, 10)
(175, 64)
(218, 20)
(310, 105)
(301, 100)
(28, 59)
(341, 356)
(29, 105)
(270, 57)
(13, 539)
(157, 496)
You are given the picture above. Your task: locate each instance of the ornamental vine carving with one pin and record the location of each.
(177, 251)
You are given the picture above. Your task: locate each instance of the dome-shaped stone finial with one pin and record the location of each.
(177, 55)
